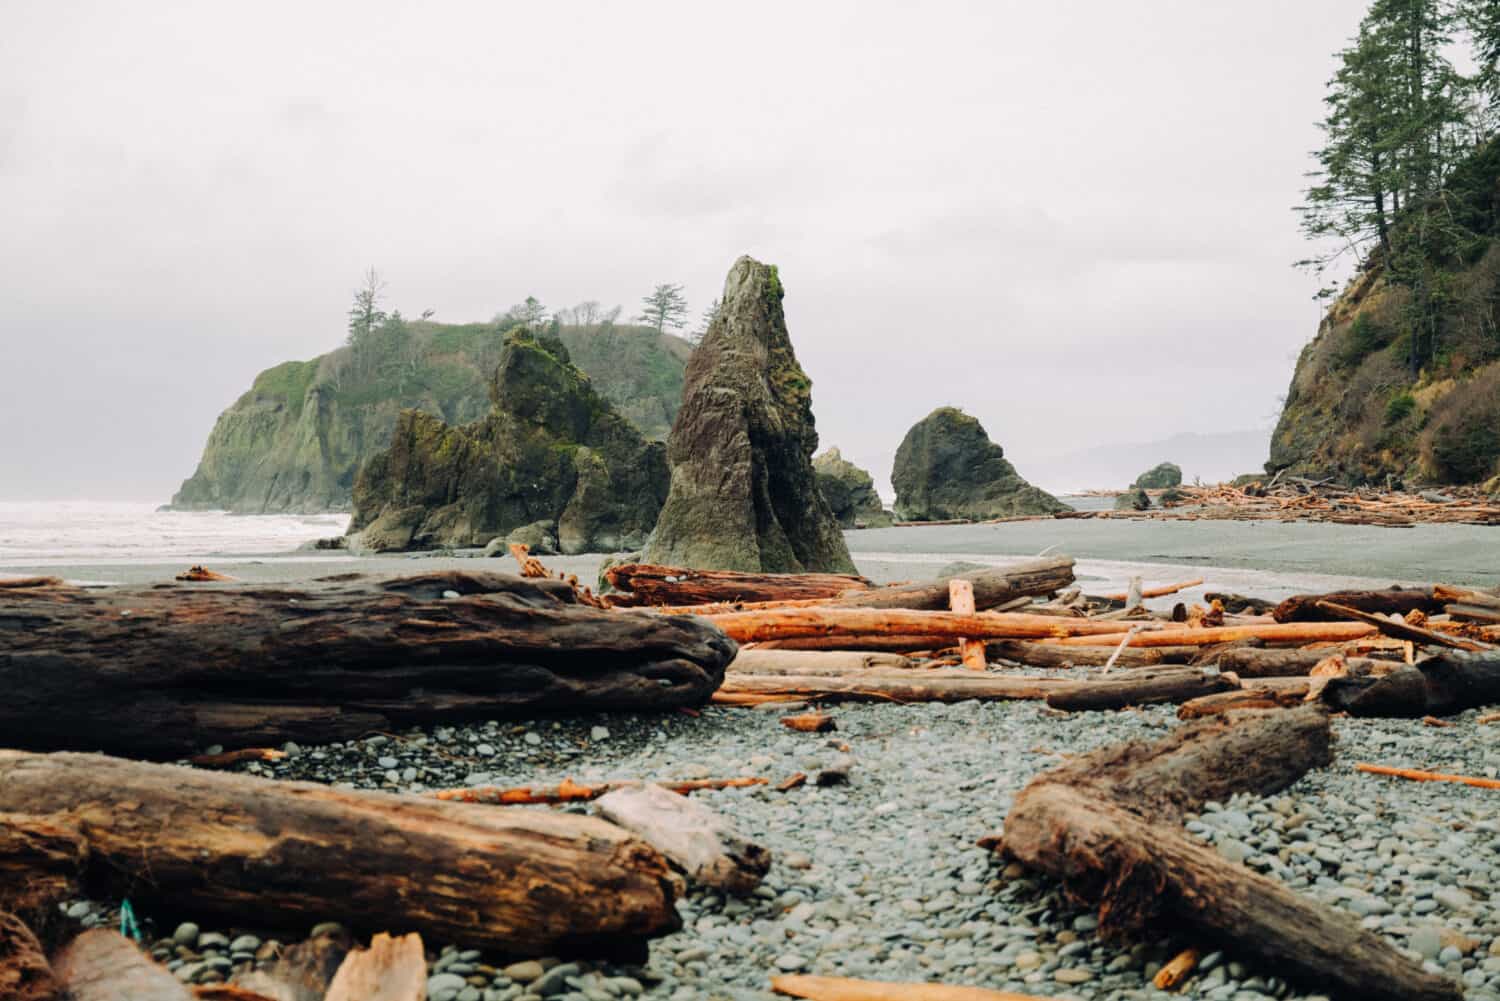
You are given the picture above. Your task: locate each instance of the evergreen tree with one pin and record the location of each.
(365, 314)
(665, 308)
(710, 314)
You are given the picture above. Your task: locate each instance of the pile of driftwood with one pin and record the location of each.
(1294, 498)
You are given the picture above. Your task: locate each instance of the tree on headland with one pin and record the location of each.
(365, 314)
(530, 314)
(664, 309)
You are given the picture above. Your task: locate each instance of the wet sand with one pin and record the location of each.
(1268, 559)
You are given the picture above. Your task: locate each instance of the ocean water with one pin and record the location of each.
(65, 533)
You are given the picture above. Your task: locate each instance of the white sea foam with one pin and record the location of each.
(60, 533)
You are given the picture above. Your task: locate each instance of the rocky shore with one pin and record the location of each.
(881, 877)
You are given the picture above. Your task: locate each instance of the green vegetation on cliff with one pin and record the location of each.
(1403, 377)
(295, 441)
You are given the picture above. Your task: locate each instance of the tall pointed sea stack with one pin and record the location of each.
(744, 495)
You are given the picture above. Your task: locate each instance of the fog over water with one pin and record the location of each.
(1071, 219)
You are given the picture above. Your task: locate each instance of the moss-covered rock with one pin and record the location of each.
(1160, 477)
(849, 491)
(744, 495)
(947, 468)
(551, 449)
(1134, 499)
(295, 441)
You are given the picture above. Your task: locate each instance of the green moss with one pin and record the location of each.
(287, 382)
(1399, 408)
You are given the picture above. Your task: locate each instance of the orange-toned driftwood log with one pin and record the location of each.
(184, 840)
(1157, 592)
(1401, 630)
(801, 623)
(1177, 969)
(568, 791)
(391, 969)
(1417, 775)
(809, 722)
(961, 602)
(801, 985)
(1290, 633)
(103, 965)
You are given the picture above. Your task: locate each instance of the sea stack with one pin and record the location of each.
(743, 492)
(849, 491)
(551, 450)
(947, 468)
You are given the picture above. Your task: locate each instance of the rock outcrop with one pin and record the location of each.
(551, 449)
(295, 441)
(1134, 499)
(1159, 477)
(849, 491)
(744, 495)
(947, 468)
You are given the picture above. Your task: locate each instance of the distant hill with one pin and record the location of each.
(295, 440)
(1212, 457)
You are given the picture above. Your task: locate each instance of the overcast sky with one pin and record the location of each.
(1072, 219)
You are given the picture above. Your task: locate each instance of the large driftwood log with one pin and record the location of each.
(992, 586)
(1108, 824)
(103, 965)
(650, 584)
(1395, 601)
(167, 670)
(25, 974)
(1438, 686)
(1147, 686)
(1272, 632)
(1288, 663)
(295, 853)
(1042, 655)
(815, 663)
(829, 621)
(694, 838)
(890, 686)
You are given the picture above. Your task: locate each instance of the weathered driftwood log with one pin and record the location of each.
(695, 839)
(1146, 686)
(992, 586)
(391, 969)
(1042, 655)
(802, 985)
(167, 670)
(41, 863)
(103, 965)
(303, 971)
(25, 974)
(1236, 603)
(826, 621)
(877, 686)
(1108, 824)
(815, 662)
(295, 853)
(1395, 601)
(893, 643)
(1466, 596)
(1438, 686)
(1398, 629)
(568, 791)
(650, 584)
(1474, 613)
(1250, 663)
(1243, 698)
(1274, 632)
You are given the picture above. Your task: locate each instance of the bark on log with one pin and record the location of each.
(1108, 824)
(294, 853)
(103, 965)
(993, 586)
(164, 671)
(1147, 686)
(651, 584)
(1395, 601)
(826, 621)
(391, 969)
(41, 864)
(695, 839)
(909, 686)
(1043, 655)
(1438, 686)
(25, 974)
(761, 661)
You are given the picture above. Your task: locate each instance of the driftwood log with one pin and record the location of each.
(103, 965)
(888, 686)
(1288, 663)
(303, 971)
(165, 671)
(1109, 825)
(295, 853)
(1042, 655)
(25, 974)
(820, 663)
(1395, 601)
(695, 839)
(1438, 686)
(992, 586)
(823, 622)
(391, 969)
(1147, 686)
(651, 584)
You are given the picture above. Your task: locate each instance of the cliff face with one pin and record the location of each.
(295, 442)
(1359, 411)
(551, 449)
(1355, 410)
